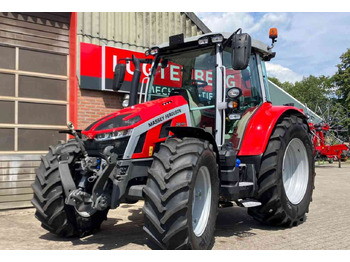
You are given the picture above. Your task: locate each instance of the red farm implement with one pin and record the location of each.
(327, 152)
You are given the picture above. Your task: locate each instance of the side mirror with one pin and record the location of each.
(119, 74)
(241, 49)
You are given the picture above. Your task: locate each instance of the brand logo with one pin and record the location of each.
(164, 117)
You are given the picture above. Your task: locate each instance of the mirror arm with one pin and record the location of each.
(224, 44)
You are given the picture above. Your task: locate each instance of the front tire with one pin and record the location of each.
(286, 177)
(181, 195)
(49, 198)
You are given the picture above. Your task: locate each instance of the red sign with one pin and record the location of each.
(233, 79)
(112, 55)
(97, 64)
(170, 76)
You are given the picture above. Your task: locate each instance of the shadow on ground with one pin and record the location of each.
(231, 222)
(112, 234)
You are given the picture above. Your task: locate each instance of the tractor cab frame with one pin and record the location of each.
(210, 57)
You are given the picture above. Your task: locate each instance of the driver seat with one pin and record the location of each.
(196, 114)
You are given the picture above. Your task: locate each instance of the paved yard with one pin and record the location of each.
(327, 225)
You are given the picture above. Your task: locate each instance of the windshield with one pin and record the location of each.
(192, 74)
(190, 70)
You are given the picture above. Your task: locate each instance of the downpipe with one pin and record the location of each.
(135, 81)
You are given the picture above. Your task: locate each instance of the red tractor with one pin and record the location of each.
(326, 152)
(206, 135)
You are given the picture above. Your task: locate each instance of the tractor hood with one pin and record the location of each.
(124, 120)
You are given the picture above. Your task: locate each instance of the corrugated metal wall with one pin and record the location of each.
(135, 31)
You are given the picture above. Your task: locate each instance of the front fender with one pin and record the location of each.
(260, 127)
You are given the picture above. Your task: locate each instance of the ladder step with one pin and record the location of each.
(245, 183)
(249, 203)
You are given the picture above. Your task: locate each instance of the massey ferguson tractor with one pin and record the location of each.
(204, 136)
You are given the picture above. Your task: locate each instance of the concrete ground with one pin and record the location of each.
(327, 225)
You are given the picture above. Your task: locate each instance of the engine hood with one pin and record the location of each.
(133, 116)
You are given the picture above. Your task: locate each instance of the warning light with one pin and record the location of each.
(232, 104)
(273, 33)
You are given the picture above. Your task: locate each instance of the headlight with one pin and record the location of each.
(234, 92)
(234, 116)
(118, 121)
(154, 51)
(132, 121)
(125, 102)
(113, 135)
(203, 41)
(217, 39)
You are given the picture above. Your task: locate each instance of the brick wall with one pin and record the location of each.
(93, 105)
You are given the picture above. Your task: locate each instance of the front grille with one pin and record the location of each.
(96, 148)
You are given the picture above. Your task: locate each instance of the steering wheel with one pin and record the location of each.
(199, 83)
(192, 86)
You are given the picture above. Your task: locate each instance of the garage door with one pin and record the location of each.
(34, 50)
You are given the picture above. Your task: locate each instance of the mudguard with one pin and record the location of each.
(260, 127)
(188, 131)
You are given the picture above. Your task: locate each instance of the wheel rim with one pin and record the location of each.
(295, 171)
(201, 201)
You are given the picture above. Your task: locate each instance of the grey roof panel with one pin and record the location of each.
(260, 46)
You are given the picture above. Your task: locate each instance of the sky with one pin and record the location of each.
(307, 43)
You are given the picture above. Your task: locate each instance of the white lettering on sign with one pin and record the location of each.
(115, 61)
(204, 75)
(230, 81)
(209, 75)
(174, 73)
(161, 73)
(199, 75)
(128, 69)
(144, 70)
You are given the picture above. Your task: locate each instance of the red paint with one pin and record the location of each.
(73, 87)
(145, 111)
(112, 55)
(90, 60)
(260, 127)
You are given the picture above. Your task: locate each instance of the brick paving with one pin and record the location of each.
(327, 225)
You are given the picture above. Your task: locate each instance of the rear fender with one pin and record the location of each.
(261, 125)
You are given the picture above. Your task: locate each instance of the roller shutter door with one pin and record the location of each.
(34, 88)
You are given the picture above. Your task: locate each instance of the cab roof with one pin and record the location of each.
(256, 44)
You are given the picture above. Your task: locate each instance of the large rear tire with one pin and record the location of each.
(286, 177)
(51, 210)
(181, 195)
